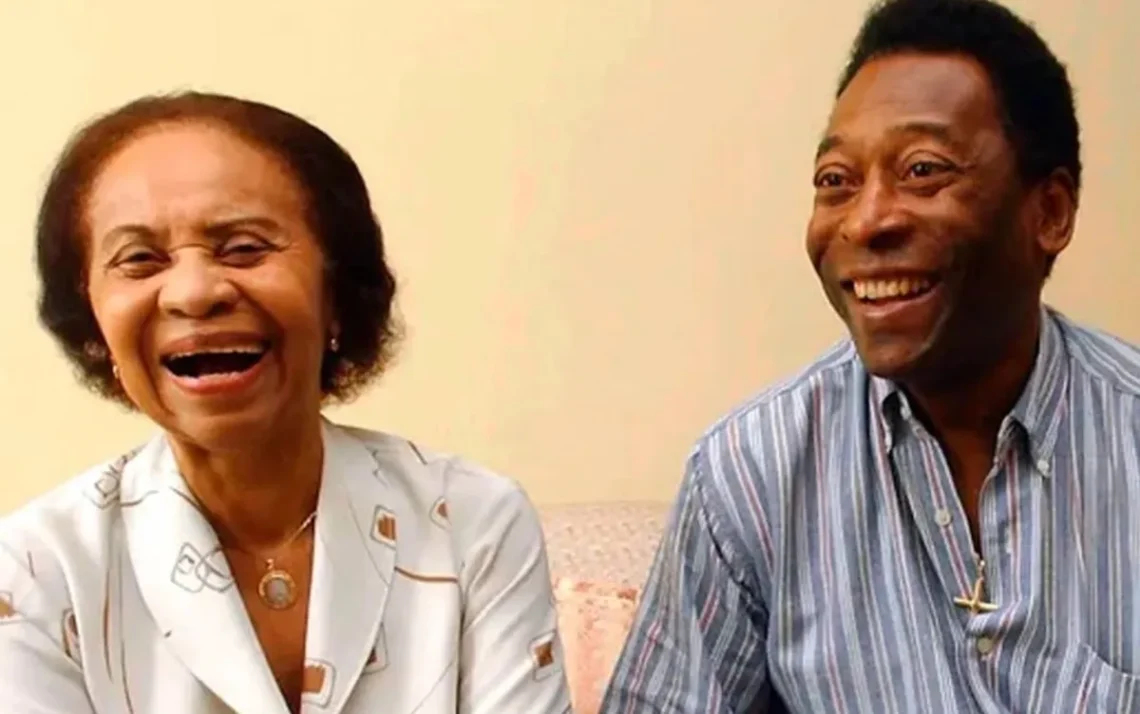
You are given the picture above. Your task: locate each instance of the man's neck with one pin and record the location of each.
(970, 410)
(966, 415)
(256, 497)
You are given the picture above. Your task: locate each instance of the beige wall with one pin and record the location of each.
(595, 208)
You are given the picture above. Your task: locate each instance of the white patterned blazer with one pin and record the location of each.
(430, 595)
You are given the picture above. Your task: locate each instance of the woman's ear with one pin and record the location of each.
(331, 317)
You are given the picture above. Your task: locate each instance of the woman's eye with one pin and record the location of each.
(244, 249)
(138, 263)
(138, 257)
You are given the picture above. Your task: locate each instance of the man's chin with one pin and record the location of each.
(895, 361)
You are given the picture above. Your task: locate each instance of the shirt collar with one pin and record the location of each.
(1037, 412)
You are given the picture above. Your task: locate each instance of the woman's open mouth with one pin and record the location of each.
(228, 361)
(216, 370)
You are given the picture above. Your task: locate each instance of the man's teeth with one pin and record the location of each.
(884, 289)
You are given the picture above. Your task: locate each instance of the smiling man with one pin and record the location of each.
(942, 514)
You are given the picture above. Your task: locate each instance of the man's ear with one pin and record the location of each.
(1056, 213)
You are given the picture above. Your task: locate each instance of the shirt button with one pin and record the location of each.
(1043, 466)
(985, 645)
(942, 517)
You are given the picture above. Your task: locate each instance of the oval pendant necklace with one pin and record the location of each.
(277, 588)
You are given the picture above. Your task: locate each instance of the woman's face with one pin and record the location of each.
(208, 285)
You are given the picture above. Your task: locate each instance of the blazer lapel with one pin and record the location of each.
(186, 584)
(358, 522)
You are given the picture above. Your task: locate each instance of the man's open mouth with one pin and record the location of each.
(886, 290)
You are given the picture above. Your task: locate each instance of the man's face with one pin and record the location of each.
(920, 230)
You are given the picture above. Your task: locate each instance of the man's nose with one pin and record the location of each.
(874, 216)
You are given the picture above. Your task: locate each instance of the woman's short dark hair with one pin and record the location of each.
(339, 210)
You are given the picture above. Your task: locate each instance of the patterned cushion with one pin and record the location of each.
(600, 555)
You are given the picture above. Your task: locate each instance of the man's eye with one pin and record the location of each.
(926, 169)
(829, 179)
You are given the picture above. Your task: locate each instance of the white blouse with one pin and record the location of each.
(430, 595)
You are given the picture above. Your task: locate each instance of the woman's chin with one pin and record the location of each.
(220, 433)
(251, 419)
(246, 428)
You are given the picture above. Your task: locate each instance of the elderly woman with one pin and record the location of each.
(214, 263)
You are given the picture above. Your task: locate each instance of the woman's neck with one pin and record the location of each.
(256, 497)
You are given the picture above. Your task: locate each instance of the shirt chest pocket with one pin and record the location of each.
(1093, 686)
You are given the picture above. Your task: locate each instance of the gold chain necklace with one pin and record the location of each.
(277, 588)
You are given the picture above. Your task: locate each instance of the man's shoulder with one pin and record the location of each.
(773, 429)
(743, 467)
(1101, 356)
(832, 373)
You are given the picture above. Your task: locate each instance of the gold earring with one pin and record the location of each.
(334, 344)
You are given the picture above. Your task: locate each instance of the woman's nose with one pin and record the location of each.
(196, 287)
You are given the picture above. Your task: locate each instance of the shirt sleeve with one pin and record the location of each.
(511, 658)
(698, 644)
(36, 674)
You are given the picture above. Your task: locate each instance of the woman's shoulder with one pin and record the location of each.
(470, 496)
(84, 502)
(50, 545)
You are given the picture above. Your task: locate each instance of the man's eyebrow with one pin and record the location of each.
(826, 144)
(939, 130)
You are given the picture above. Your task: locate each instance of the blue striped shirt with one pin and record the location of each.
(818, 545)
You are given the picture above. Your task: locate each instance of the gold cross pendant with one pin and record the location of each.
(975, 603)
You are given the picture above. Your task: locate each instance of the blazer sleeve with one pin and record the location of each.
(510, 659)
(37, 673)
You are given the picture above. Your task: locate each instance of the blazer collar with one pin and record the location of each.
(187, 585)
